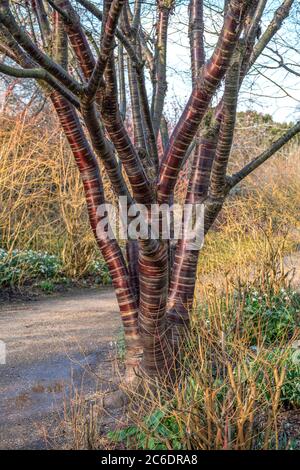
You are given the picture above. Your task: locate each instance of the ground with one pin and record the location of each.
(52, 343)
(55, 344)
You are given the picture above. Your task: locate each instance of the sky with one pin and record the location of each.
(273, 91)
(260, 92)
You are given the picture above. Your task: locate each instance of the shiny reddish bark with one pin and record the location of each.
(154, 292)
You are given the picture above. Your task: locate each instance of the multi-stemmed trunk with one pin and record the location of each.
(154, 280)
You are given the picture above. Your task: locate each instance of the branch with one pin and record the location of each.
(184, 270)
(122, 83)
(44, 26)
(251, 55)
(64, 15)
(42, 59)
(76, 37)
(15, 52)
(104, 152)
(114, 125)
(60, 41)
(256, 162)
(207, 83)
(93, 187)
(137, 123)
(107, 44)
(146, 113)
(40, 74)
(7, 52)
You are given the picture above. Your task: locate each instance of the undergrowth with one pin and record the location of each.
(28, 267)
(239, 373)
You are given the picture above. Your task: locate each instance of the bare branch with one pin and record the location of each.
(40, 74)
(230, 99)
(40, 57)
(263, 157)
(98, 14)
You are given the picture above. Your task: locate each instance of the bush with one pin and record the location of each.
(272, 316)
(239, 371)
(21, 266)
(99, 269)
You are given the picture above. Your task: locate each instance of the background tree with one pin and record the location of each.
(84, 55)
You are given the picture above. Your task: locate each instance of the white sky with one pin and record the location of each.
(258, 93)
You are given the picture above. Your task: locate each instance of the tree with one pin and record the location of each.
(82, 71)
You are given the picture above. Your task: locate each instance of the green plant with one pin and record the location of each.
(20, 266)
(99, 269)
(158, 431)
(275, 315)
(46, 286)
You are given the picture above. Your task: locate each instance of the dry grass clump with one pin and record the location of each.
(41, 196)
(239, 372)
(238, 379)
(265, 206)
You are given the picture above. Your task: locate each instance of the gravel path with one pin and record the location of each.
(52, 345)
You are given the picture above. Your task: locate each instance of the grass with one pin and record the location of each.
(234, 381)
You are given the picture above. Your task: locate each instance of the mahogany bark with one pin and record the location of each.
(85, 78)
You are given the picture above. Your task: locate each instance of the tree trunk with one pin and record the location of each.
(154, 291)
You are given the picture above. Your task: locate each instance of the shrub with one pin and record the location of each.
(21, 266)
(273, 316)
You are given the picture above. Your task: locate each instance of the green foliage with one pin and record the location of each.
(99, 269)
(47, 286)
(21, 266)
(273, 316)
(153, 433)
(287, 361)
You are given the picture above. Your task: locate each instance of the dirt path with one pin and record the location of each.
(50, 344)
